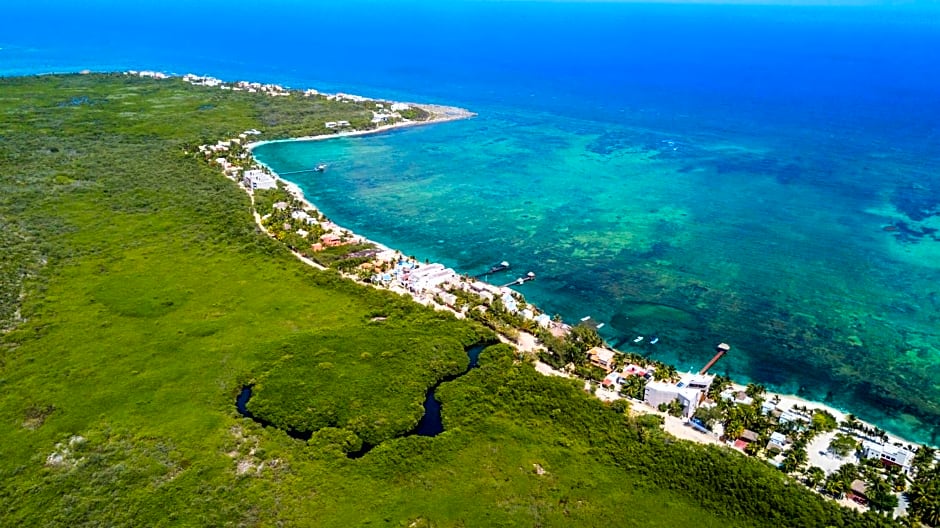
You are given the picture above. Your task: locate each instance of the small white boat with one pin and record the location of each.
(638, 339)
(654, 340)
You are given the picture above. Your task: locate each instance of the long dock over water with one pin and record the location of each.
(521, 280)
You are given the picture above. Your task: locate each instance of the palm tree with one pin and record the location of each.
(634, 387)
(673, 374)
(834, 485)
(755, 390)
(814, 477)
(794, 459)
(733, 428)
(923, 458)
(719, 384)
(660, 371)
(675, 408)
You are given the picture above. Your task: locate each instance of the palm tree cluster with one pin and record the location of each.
(923, 495)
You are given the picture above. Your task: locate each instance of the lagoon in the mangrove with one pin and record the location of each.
(431, 422)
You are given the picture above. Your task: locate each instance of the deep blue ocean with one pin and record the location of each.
(758, 174)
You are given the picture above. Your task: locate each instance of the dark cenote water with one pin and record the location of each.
(761, 175)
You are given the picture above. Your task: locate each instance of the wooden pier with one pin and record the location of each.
(502, 266)
(521, 280)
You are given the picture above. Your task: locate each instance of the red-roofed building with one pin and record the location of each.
(331, 240)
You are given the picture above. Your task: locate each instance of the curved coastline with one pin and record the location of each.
(438, 114)
(527, 342)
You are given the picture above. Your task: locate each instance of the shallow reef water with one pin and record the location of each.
(765, 246)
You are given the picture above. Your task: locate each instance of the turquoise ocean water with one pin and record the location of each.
(760, 175)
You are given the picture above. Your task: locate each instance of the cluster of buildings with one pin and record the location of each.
(149, 74)
(419, 278)
(691, 390)
(435, 281)
(778, 441)
(346, 98)
(332, 234)
(220, 153)
(273, 90)
(202, 80)
(384, 113)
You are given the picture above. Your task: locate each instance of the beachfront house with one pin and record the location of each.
(888, 454)
(662, 392)
(777, 442)
(737, 397)
(601, 357)
(256, 179)
(633, 370)
(690, 391)
(790, 416)
(484, 290)
(431, 276)
(303, 216)
(330, 240)
(509, 302)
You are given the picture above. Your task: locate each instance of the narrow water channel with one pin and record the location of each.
(430, 424)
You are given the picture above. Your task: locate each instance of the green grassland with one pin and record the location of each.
(140, 298)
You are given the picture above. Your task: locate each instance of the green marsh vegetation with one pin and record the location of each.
(140, 298)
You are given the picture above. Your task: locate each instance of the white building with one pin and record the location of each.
(690, 391)
(777, 440)
(303, 216)
(790, 416)
(889, 454)
(256, 179)
(736, 396)
(509, 302)
(431, 276)
(449, 298)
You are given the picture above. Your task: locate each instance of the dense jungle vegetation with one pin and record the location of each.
(138, 298)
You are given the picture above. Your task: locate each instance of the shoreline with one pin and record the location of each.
(527, 341)
(439, 114)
